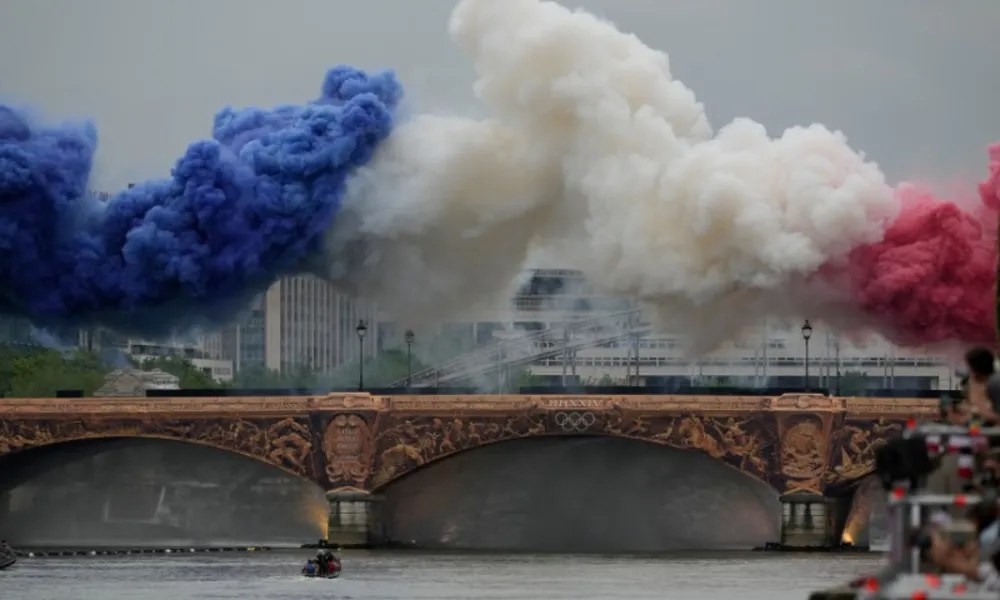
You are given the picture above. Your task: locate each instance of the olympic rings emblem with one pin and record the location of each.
(574, 421)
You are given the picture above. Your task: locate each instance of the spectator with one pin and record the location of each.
(974, 560)
(982, 376)
(945, 479)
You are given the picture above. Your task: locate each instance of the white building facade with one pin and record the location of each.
(220, 370)
(299, 323)
(767, 356)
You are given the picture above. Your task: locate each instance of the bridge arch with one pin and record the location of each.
(580, 493)
(392, 464)
(98, 442)
(413, 443)
(153, 489)
(285, 443)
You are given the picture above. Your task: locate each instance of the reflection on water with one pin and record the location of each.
(411, 576)
(152, 491)
(593, 494)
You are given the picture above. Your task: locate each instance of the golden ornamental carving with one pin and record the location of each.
(804, 448)
(409, 443)
(740, 442)
(511, 404)
(227, 406)
(283, 442)
(807, 402)
(891, 408)
(857, 442)
(348, 401)
(347, 444)
(801, 442)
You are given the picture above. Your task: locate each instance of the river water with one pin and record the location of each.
(413, 576)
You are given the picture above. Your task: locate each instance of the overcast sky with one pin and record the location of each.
(913, 83)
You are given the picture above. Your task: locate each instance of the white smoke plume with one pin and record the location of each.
(597, 151)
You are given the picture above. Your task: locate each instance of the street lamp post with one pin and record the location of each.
(837, 350)
(633, 337)
(409, 336)
(565, 353)
(361, 330)
(635, 356)
(807, 331)
(501, 356)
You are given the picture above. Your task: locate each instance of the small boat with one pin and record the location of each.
(7, 560)
(333, 575)
(314, 573)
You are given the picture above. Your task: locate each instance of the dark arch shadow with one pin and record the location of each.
(580, 494)
(93, 443)
(20, 467)
(379, 485)
(139, 490)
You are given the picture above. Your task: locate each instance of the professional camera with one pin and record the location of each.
(918, 453)
(952, 512)
(907, 459)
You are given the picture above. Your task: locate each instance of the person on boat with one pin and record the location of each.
(309, 569)
(321, 563)
(332, 564)
(5, 547)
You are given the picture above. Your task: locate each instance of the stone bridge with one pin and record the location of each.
(354, 444)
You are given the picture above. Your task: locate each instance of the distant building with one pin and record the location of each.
(129, 382)
(300, 322)
(767, 356)
(15, 330)
(195, 353)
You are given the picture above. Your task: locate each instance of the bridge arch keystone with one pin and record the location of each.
(347, 448)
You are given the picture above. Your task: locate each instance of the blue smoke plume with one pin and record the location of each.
(238, 211)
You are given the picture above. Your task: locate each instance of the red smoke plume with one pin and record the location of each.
(933, 277)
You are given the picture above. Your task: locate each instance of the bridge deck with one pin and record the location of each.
(853, 407)
(794, 442)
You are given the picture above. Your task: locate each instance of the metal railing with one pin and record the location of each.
(526, 349)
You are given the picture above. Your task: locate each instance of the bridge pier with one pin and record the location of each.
(812, 521)
(355, 519)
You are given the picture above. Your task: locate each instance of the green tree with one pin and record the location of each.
(303, 376)
(8, 365)
(523, 377)
(606, 380)
(190, 376)
(852, 383)
(385, 368)
(258, 377)
(715, 381)
(41, 372)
